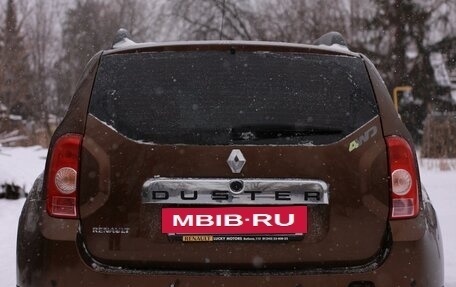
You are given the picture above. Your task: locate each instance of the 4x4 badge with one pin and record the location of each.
(236, 161)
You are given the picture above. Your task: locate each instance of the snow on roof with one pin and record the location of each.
(338, 49)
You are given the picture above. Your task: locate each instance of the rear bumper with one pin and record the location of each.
(48, 255)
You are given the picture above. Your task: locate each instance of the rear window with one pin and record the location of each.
(232, 97)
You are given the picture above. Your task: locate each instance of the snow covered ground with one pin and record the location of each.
(441, 186)
(22, 165)
(19, 166)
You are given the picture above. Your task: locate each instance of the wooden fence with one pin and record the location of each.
(439, 136)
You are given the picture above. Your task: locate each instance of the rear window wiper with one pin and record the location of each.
(252, 132)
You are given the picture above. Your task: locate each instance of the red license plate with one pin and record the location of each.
(235, 220)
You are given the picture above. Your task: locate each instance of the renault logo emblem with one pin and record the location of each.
(236, 161)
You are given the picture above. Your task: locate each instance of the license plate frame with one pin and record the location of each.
(235, 220)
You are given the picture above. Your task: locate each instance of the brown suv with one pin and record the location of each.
(230, 163)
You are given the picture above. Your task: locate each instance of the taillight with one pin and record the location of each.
(404, 180)
(62, 185)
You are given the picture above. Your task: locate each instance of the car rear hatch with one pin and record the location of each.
(184, 150)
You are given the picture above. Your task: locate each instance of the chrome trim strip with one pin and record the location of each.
(256, 191)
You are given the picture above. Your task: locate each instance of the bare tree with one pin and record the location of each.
(399, 36)
(299, 21)
(138, 16)
(14, 68)
(42, 45)
(88, 27)
(204, 19)
(275, 20)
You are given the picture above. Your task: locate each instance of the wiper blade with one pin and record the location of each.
(252, 132)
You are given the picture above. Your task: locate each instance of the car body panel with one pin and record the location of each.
(408, 263)
(111, 197)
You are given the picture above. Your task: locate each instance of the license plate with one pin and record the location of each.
(235, 220)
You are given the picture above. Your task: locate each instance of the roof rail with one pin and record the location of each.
(330, 39)
(122, 39)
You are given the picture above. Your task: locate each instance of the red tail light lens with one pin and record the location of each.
(62, 193)
(404, 180)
